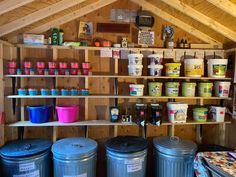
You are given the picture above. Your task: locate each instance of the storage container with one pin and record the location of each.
(177, 112)
(39, 113)
(40, 71)
(44, 92)
(136, 89)
(217, 67)
(85, 92)
(33, 92)
(193, 67)
(55, 92)
(205, 89)
(11, 64)
(26, 158)
(174, 157)
(135, 59)
(67, 114)
(40, 64)
(27, 64)
(155, 59)
(126, 156)
(22, 91)
(200, 114)
(155, 70)
(74, 92)
(135, 70)
(11, 71)
(65, 92)
(85, 65)
(74, 65)
(172, 89)
(222, 88)
(155, 89)
(218, 113)
(63, 65)
(173, 69)
(86, 71)
(26, 71)
(75, 157)
(73, 71)
(188, 89)
(52, 65)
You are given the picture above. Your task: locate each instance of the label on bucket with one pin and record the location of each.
(134, 165)
(31, 174)
(219, 70)
(81, 175)
(26, 167)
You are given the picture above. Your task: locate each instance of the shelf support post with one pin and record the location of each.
(2, 135)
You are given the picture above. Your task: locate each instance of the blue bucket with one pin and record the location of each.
(39, 114)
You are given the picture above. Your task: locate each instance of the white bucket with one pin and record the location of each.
(136, 89)
(155, 59)
(222, 89)
(135, 59)
(135, 70)
(217, 67)
(218, 113)
(177, 112)
(193, 67)
(155, 70)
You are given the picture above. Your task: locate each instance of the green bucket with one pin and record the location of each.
(205, 89)
(200, 114)
(155, 89)
(172, 89)
(188, 89)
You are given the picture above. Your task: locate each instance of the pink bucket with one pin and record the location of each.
(67, 114)
(52, 65)
(40, 65)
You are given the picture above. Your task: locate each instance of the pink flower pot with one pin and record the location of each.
(63, 65)
(52, 65)
(40, 65)
(74, 65)
(27, 64)
(85, 65)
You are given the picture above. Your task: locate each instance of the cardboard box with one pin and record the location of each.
(33, 39)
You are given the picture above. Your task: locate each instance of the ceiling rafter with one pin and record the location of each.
(38, 15)
(198, 16)
(184, 26)
(8, 5)
(225, 5)
(71, 16)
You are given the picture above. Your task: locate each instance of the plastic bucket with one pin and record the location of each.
(45, 92)
(22, 92)
(217, 67)
(67, 114)
(218, 113)
(155, 89)
(200, 114)
(173, 69)
(135, 59)
(136, 89)
(205, 89)
(188, 89)
(193, 67)
(155, 59)
(172, 88)
(155, 70)
(33, 92)
(39, 114)
(222, 88)
(135, 70)
(177, 112)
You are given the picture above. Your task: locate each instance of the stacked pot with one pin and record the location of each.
(155, 65)
(135, 66)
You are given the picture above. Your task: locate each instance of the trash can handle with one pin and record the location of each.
(175, 139)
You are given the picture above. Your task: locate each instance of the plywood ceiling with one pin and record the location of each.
(218, 26)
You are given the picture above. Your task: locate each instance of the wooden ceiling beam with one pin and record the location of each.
(8, 5)
(225, 5)
(71, 16)
(198, 16)
(175, 21)
(38, 15)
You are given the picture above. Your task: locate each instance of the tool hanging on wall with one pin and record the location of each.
(168, 36)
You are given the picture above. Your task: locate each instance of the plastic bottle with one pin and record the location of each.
(61, 37)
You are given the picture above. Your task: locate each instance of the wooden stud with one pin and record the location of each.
(22, 84)
(8, 5)
(204, 19)
(222, 130)
(225, 5)
(55, 129)
(2, 129)
(71, 16)
(171, 130)
(184, 26)
(38, 15)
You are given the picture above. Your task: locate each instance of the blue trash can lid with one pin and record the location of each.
(74, 148)
(126, 144)
(25, 148)
(174, 146)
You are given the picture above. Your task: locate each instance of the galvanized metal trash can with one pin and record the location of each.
(75, 157)
(174, 157)
(26, 158)
(126, 156)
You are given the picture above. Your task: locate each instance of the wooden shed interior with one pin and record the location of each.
(208, 25)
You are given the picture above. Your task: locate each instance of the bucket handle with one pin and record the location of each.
(175, 139)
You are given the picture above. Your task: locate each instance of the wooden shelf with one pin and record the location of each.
(121, 96)
(105, 123)
(117, 76)
(99, 48)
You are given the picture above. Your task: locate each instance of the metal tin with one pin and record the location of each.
(174, 157)
(126, 156)
(75, 157)
(26, 158)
